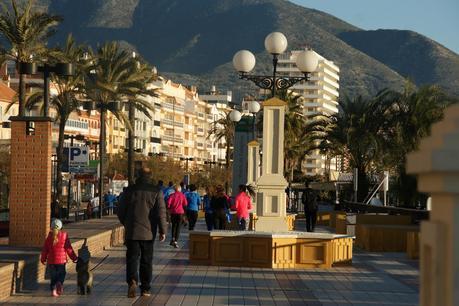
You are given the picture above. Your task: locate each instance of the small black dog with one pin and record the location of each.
(84, 277)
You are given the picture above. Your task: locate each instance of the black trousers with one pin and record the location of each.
(311, 219)
(139, 256)
(220, 220)
(210, 221)
(176, 219)
(192, 218)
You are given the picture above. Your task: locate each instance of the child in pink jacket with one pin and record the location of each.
(55, 250)
(242, 206)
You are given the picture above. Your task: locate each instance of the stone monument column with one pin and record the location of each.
(437, 167)
(271, 197)
(30, 193)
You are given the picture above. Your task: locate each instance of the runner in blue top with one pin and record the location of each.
(168, 191)
(194, 201)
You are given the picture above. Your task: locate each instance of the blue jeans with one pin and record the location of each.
(57, 274)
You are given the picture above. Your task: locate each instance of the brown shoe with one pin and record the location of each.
(146, 293)
(132, 289)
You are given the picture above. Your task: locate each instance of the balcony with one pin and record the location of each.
(172, 139)
(172, 123)
(170, 106)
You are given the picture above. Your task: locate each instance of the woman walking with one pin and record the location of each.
(209, 213)
(176, 204)
(220, 205)
(242, 206)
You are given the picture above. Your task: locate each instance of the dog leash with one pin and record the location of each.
(100, 262)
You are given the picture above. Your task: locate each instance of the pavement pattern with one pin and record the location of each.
(372, 279)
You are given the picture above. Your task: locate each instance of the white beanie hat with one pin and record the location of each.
(56, 224)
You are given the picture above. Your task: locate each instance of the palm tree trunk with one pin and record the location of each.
(60, 153)
(22, 91)
(131, 138)
(102, 150)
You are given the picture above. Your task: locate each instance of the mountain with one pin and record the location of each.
(412, 55)
(194, 40)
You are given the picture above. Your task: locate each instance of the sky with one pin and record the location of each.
(436, 19)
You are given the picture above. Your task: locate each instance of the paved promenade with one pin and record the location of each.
(373, 279)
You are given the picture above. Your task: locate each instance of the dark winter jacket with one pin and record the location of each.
(142, 210)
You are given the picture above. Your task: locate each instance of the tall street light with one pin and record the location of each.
(61, 69)
(275, 43)
(271, 198)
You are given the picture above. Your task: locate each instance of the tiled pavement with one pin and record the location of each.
(373, 279)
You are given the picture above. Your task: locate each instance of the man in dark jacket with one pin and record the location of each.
(309, 199)
(142, 210)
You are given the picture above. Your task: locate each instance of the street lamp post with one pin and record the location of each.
(271, 184)
(275, 43)
(187, 159)
(254, 108)
(61, 69)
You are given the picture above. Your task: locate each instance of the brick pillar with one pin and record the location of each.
(30, 193)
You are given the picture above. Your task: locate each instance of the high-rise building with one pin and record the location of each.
(321, 95)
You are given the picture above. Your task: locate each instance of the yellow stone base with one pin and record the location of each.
(269, 250)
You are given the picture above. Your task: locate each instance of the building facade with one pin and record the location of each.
(321, 94)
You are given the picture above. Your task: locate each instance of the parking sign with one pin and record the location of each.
(78, 156)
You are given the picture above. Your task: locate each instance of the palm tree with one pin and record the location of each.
(221, 129)
(302, 133)
(135, 88)
(66, 101)
(26, 31)
(412, 114)
(110, 78)
(360, 131)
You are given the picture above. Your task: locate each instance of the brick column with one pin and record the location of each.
(30, 193)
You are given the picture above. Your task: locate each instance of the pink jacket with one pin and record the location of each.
(176, 203)
(242, 205)
(56, 254)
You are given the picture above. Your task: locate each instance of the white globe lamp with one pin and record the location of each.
(307, 61)
(254, 107)
(276, 43)
(235, 115)
(244, 61)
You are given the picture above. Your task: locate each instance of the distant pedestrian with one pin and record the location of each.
(309, 200)
(176, 205)
(110, 200)
(168, 191)
(242, 206)
(141, 211)
(220, 205)
(194, 202)
(209, 213)
(54, 253)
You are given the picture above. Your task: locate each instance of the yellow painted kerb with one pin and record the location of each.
(274, 102)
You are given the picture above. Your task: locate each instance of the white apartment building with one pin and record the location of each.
(321, 95)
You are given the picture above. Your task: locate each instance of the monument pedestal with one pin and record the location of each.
(271, 196)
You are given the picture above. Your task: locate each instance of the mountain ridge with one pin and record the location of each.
(194, 40)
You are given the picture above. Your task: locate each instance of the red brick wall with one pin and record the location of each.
(30, 194)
